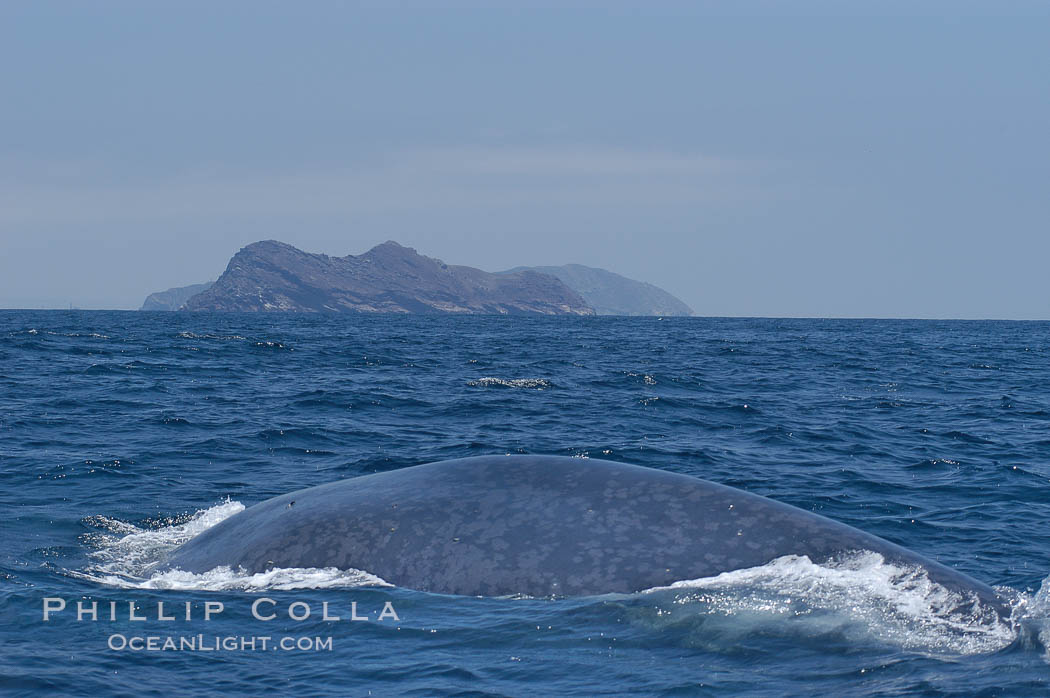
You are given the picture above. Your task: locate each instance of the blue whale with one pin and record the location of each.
(536, 525)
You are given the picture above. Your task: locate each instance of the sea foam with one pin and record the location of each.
(126, 557)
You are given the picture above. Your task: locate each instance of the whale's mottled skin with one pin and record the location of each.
(535, 525)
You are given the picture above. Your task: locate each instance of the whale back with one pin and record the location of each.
(533, 525)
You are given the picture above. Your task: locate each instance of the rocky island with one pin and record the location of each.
(272, 276)
(389, 278)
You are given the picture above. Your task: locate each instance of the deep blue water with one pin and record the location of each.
(117, 429)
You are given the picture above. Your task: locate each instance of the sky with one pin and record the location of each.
(807, 159)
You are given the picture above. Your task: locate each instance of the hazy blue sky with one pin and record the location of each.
(802, 158)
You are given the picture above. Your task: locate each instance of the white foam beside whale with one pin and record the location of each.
(125, 553)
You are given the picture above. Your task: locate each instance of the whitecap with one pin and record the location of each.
(489, 381)
(194, 335)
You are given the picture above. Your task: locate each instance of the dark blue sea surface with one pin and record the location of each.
(123, 434)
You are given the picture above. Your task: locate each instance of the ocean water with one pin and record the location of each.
(123, 434)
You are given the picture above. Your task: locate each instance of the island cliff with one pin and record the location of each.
(389, 278)
(173, 298)
(611, 294)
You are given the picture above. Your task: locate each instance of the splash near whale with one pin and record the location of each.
(538, 526)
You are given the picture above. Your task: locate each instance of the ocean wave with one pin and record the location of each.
(644, 378)
(489, 381)
(91, 335)
(267, 344)
(194, 335)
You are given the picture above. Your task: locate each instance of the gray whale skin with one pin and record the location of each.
(535, 525)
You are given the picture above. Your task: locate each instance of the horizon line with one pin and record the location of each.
(661, 317)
